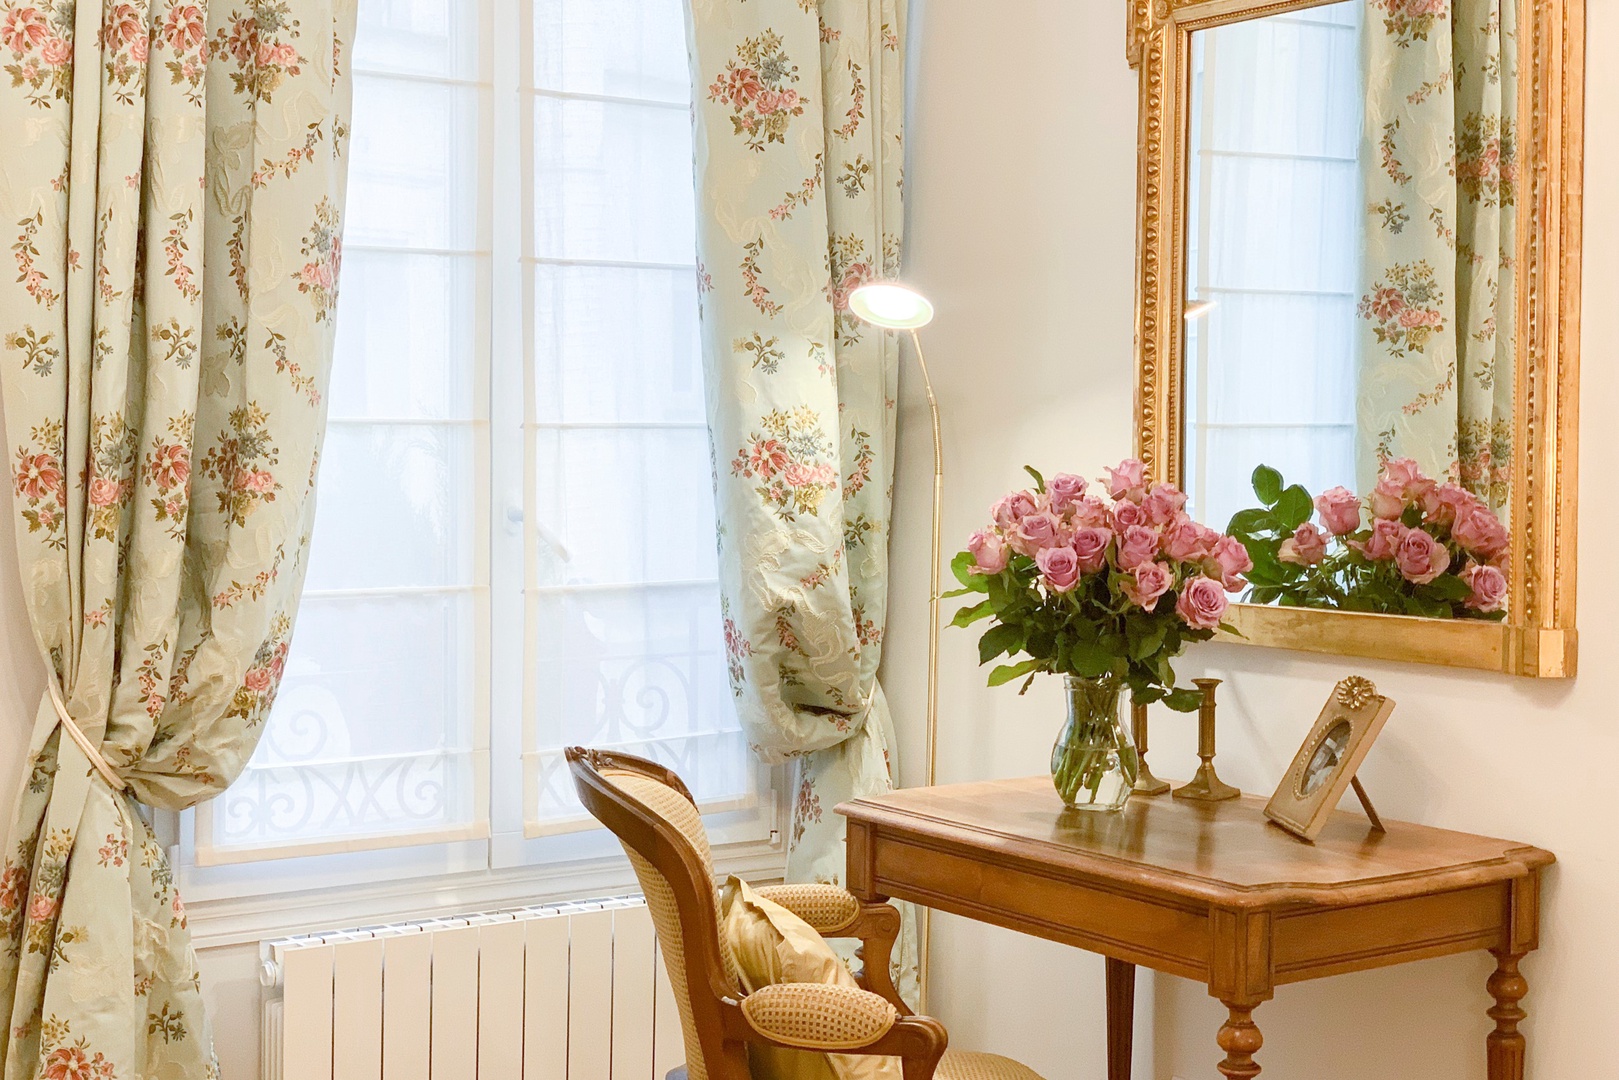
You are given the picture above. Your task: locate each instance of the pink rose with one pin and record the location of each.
(1128, 481)
(1489, 587)
(1420, 557)
(1126, 514)
(257, 680)
(1137, 546)
(1202, 602)
(1188, 541)
(1227, 562)
(1387, 500)
(1036, 532)
(1481, 532)
(1090, 545)
(1091, 512)
(1306, 547)
(1065, 490)
(104, 492)
(1403, 475)
(1163, 504)
(259, 481)
(1446, 503)
(988, 551)
(1150, 581)
(1059, 568)
(1013, 509)
(1386, 536)
(42, 908)
(1340, 510)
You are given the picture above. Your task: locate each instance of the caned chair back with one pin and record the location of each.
(654, 816)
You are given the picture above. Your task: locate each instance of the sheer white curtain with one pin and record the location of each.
(1273, 239)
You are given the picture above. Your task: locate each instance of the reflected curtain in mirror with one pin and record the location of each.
(1437, 311)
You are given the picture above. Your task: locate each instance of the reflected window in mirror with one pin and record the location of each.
(1273, 253)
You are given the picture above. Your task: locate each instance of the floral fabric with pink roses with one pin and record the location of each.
(1437, 296)
(166, 344)
(1116, 580)
(799, 129)
(1413, 546)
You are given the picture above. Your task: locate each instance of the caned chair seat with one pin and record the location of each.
(966, 1065)
(654, 816)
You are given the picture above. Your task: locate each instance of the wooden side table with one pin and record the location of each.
(1211, 892)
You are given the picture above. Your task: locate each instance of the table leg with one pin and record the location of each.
(1506, 1043)
(1121, 1017)
(1240, 1039)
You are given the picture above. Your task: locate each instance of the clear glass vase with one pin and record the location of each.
(1094, 763)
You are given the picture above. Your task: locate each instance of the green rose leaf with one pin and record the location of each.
(962, 566)
(1090, 660)
(1007, 672)
(1267, 485)
(1294, 507)
(1039, 481)
(1184, 700)
(969, 615)
(998, 640)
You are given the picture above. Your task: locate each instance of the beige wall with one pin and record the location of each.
(1022, 176)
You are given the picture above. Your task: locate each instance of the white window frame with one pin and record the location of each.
(242, 895)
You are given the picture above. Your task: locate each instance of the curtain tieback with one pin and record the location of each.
(92, 752)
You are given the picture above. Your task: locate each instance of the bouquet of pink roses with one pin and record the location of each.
(1425, 548)
(1093, 587)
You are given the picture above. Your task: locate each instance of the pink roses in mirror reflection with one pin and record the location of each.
(1423, 528)
(1139, 535)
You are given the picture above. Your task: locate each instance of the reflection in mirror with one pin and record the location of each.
(1349, 292)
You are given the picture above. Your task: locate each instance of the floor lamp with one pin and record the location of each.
(895, 307)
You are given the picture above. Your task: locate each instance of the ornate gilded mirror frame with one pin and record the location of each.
(1538, 636)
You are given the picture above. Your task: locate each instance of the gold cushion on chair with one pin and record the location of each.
(771, 945)
(963, 1065)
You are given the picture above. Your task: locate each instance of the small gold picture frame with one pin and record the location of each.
(1325, 765)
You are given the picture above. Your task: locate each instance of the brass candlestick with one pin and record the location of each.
(1206, 786)
(1146, 783)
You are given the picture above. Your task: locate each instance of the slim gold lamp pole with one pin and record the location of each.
(895, 307)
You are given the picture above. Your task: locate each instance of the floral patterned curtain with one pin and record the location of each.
(172, 179)
(1437, 311)
(799, 151)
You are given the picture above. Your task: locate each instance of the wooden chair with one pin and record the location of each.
(654, 816)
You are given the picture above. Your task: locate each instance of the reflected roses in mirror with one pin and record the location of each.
(1413, 546)
(1092, 586)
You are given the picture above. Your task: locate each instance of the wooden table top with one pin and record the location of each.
(1226, 852)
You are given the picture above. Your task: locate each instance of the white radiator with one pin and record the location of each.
(572, 991)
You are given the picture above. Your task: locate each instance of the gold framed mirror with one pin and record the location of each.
(1359, 240)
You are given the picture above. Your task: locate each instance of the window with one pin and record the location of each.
(515, 543)
(1274, 239)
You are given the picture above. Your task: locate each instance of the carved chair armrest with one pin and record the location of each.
(838, 1020)
(835, 912)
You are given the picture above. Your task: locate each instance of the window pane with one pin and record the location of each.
(425, 37)
(414, 176)
(370, 731)
(394, 508)
(618, 506)
(406, 329)
(641, 670)
(601, 366)
(621, 48)
(614, 182)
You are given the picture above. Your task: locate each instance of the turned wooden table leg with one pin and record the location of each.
(1121, 1017)
(1506, 1042)
(1241, 1040)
